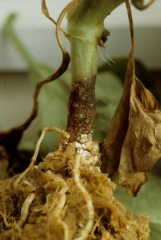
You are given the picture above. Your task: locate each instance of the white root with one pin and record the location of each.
(107, 57)
(106, 61)
(60, 206)
(25, 209)
(88, 199)
(33, 159)
(61, 200)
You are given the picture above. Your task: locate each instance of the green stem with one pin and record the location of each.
(85, 30)
(84, 58)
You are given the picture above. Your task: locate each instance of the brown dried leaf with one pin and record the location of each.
(141, 4)
(133, 142)
(118, 128)
(10, 139)
(142, 146)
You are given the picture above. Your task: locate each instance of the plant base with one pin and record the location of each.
(66, 197)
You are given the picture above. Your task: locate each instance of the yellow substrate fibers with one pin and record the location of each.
(66, 197)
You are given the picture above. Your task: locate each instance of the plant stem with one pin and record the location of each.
(81, 107)
(85, 29)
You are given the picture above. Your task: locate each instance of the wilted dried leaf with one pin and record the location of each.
(118, 128)
(10, 139)
(133, 142)
(141, 4)
(142, 145)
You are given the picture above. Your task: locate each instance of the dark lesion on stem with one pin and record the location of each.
(104, 38)
(81, 108)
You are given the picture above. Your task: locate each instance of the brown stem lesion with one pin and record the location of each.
(81, 105)
(85, 31)
(81, 108)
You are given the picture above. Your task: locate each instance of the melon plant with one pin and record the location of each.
(69, 194)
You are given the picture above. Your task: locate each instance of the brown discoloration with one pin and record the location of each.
(133, 142)
(103, 38)
(81, 108)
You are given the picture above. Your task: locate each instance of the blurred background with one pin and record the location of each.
(29, 53)
(37, 34)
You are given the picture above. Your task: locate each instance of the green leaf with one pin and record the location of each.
(53, 100)
(54, 96)
(108, 93)
(119, 69)
(148, 202)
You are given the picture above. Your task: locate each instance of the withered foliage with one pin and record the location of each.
(141, 4)
(133, 142)
(10, 139)
(66, 196)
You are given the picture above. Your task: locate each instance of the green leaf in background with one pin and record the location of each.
(53, 100)
(53, 97)
(108, 93)
(119, 69)
(148, 202)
